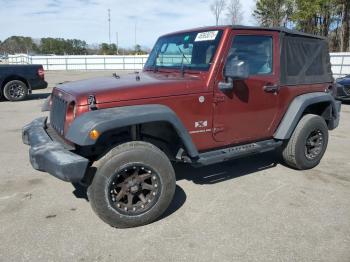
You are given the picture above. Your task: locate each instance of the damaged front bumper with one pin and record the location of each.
(49, 155)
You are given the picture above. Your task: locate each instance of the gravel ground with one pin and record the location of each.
(252, 209)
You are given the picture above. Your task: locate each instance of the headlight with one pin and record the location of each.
(74, 111)
(71, 113)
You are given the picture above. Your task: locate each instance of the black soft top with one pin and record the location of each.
(304, 57)
(278, 29)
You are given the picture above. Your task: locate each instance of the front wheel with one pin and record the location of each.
(134, 184)
(15, 90)
(308, 143)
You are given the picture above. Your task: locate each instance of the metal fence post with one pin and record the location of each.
(342, 64)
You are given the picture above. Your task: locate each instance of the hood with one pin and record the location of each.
(131, 87)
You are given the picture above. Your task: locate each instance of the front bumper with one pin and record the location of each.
(342, 93)
(50, 156)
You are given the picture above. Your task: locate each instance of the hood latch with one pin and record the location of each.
(92, 102)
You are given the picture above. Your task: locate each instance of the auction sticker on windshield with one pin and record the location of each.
(206, 36)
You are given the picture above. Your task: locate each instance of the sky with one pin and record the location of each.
(87, 19)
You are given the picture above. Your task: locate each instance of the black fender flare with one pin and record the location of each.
(297, 108)
(104, 120)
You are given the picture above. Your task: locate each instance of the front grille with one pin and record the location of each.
(58, 113)
(56, 137)
(347, 90)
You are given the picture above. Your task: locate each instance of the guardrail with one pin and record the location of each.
(86, 62)
(340, 62)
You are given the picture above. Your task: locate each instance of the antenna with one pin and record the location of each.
(109, 25)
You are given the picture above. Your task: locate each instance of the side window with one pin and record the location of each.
(255, 51)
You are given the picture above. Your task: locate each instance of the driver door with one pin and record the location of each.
(247, 112)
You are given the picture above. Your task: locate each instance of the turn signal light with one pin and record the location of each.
(94, 134)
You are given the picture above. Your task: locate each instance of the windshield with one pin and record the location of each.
(191, 50)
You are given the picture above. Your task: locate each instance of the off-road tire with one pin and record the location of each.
(139, 153)
(11, 95)
(295, 153)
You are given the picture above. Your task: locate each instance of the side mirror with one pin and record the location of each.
(236, 69)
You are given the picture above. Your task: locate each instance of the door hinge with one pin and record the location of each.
(218, 129)
(218, 99)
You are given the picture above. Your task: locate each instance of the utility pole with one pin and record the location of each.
(117, 41)
(135, 35)
(109, 25)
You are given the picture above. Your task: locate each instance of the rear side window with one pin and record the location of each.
(304, 57)
(304, 60)
(255, 51)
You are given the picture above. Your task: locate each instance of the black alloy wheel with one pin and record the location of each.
(15, 90)
(134, 189)
(314, 144)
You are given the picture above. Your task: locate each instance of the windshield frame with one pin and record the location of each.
(151, 63)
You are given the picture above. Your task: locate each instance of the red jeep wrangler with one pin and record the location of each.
(205, 96)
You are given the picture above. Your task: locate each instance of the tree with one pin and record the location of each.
(314, 16)
(217, 8)
(107, 49)
(273, 13)
(234, 12)
(328, 18)
(18, 44)
(344, 44)
(60, 46)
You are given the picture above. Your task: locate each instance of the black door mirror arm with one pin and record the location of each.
(226, 86)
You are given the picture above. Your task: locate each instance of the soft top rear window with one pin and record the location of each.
(304, 60)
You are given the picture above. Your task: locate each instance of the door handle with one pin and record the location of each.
(271, 88)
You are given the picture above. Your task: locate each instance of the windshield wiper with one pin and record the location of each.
(182, 61)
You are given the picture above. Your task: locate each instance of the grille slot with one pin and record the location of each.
(58, 113)
(347, 89)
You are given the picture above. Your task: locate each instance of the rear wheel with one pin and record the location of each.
(15, 90)
(308, 143)
(133, 185)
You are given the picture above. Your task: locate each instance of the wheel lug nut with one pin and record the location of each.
(142, 206)
(118, 205)
(155, 185)
(154, 177)
(125, 208)
(154, 193)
